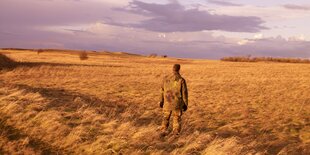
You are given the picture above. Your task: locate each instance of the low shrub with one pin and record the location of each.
(83, 55)
(40, 51)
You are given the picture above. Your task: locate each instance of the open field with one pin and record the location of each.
(53, 102)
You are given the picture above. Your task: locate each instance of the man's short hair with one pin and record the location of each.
(176, 67)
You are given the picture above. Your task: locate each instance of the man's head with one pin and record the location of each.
(176, 67)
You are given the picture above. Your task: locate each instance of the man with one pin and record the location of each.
(173, 100)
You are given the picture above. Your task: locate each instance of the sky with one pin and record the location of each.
(209, 29)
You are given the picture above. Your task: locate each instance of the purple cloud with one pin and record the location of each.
(296, 7)
(38, 13)
(174, 17)
(193, 45)
(223, 3)
(68, 24)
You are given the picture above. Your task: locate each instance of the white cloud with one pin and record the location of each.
(297, 38)
(162, 35)
(272, 13)
(113, 2)
(243, 42)
(258, 36)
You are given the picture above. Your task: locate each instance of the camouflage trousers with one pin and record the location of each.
(176, 120)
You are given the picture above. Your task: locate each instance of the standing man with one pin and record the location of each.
(173, 100)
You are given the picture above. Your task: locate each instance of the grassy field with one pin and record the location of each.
(53, 102)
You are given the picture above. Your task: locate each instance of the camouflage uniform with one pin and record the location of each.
(174, 100)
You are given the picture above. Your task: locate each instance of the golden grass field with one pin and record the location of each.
(54, 103)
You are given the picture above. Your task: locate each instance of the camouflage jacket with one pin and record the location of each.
(174, 92)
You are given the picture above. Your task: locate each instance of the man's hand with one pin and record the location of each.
(161, 104)
(184, 108)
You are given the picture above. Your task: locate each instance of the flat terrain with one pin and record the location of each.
(53, 102)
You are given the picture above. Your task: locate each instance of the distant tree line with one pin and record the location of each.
(265, 59)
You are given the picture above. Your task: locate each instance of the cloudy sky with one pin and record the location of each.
(180, 28)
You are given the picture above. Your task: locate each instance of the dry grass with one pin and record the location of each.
(265, 59)
(55, 103)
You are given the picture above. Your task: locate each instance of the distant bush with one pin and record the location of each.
(40, 51)
(83, 55)
(268, 59)
(153, 55)
(164, 56)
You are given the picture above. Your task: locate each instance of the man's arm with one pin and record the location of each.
(184, 94)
